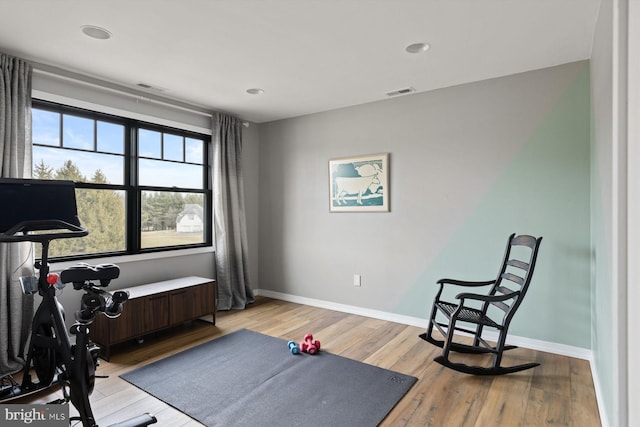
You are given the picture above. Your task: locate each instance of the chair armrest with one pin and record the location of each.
(487, 298)
(465, 283)
(443, 282)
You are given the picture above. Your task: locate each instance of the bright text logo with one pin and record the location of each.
(36, 415)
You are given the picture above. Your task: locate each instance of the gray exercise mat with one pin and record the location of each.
(250, 379)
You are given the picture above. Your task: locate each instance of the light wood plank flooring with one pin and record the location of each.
(559, 392)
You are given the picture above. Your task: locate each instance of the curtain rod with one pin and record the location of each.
(44, 69)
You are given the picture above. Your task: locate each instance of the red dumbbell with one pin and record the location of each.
(309, 345)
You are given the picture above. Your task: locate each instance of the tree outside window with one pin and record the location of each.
(129, 204)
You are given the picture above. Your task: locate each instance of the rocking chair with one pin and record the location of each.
(506, 293)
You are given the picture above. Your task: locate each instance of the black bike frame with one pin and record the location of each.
(75, 362)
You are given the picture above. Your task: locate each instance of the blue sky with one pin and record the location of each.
(105, 151)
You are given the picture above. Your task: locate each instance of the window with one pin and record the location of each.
(139, 187)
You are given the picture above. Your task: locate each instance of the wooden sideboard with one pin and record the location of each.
(153, 307)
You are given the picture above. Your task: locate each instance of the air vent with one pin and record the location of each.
(403, 91)
(149, 87)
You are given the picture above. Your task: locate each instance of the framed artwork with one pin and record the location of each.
(359, 184)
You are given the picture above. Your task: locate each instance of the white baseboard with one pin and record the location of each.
(533, 344)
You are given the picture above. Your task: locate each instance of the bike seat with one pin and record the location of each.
(82, 272)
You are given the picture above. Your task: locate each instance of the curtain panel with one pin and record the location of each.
(16, 259)
(233, 287)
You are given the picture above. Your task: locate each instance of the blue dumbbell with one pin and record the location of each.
(293, 347)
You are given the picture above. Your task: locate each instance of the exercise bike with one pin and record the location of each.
(54, 358)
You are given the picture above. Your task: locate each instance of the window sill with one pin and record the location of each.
(123, 259)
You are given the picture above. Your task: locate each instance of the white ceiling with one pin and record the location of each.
(307, 55)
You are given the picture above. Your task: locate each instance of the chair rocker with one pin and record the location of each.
(506, 294)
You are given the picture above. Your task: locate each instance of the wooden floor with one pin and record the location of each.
(559, 392)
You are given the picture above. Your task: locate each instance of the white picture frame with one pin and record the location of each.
(359, 183)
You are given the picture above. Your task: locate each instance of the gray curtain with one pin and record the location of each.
(234, 290)
(16, 259)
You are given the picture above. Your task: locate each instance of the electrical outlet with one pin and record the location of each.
(357, 280)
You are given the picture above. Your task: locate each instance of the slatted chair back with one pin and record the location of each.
(515, 274)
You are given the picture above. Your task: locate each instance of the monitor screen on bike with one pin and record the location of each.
(36, 200)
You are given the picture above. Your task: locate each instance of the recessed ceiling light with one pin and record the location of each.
(417, 47)
(96, 32)
(255, 91)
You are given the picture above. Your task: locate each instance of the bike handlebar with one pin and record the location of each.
(72, 230)
(96, 300)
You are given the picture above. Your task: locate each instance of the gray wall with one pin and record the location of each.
(250, 174)
(468, 166)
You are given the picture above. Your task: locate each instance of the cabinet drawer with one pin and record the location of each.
(190, 303)
(156, 312)
(129, 324)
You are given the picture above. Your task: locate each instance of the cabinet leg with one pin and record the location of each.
(105, 352)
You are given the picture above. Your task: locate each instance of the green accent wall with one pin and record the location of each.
(544, 191)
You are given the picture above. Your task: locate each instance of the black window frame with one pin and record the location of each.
(131, 187)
